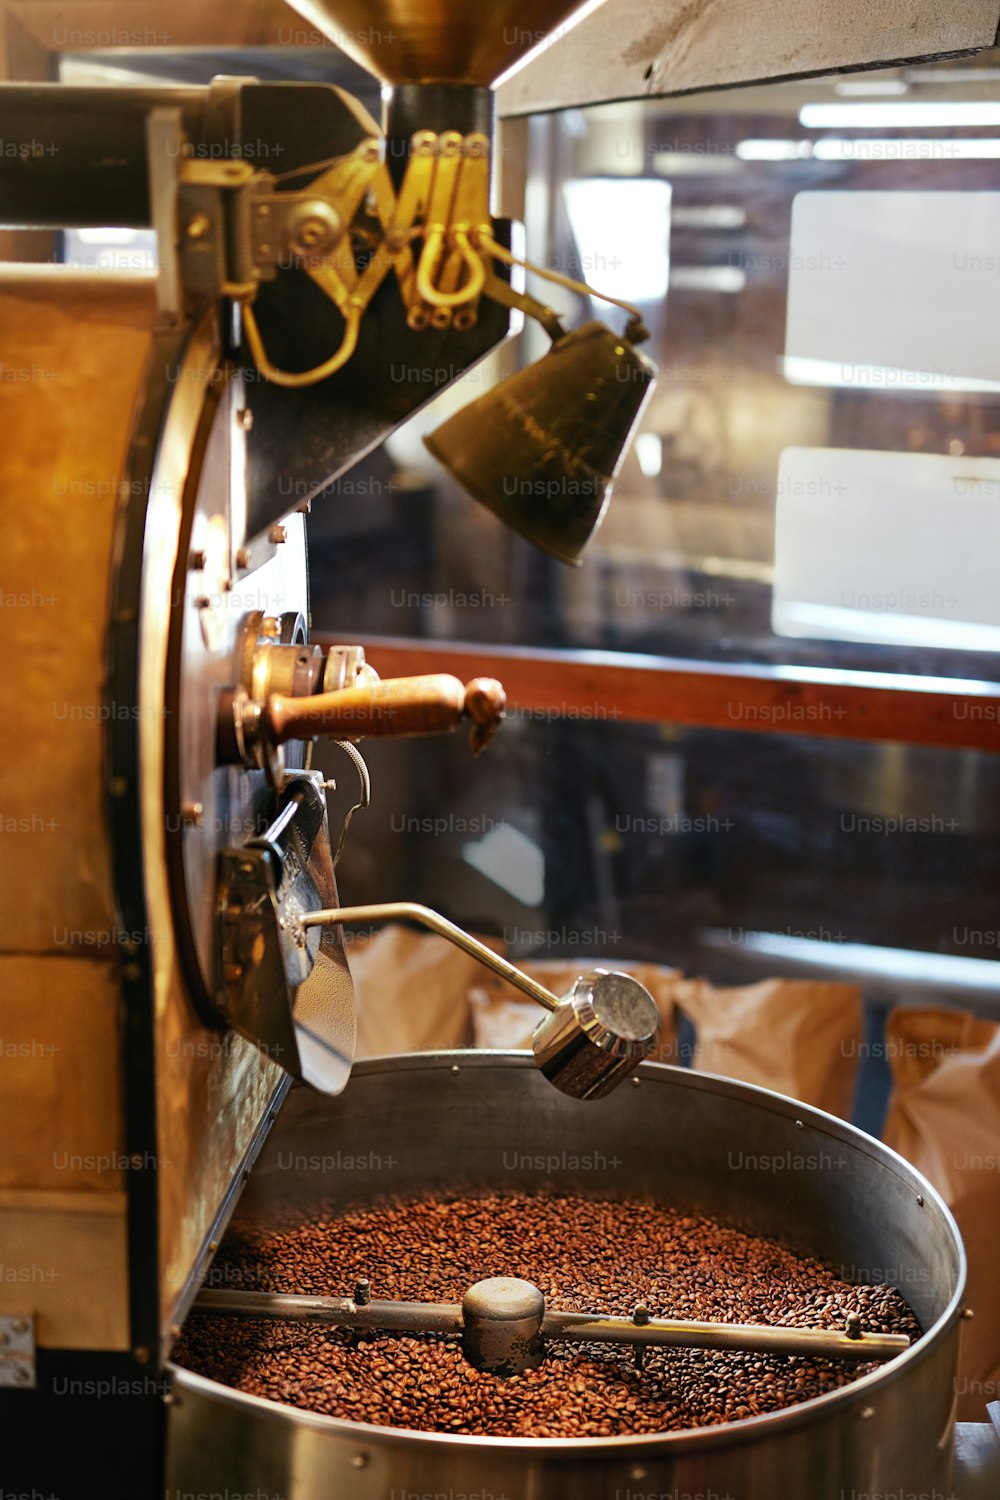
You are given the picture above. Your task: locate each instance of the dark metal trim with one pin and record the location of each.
(123, 787)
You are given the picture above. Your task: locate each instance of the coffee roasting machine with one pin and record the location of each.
(173, 955)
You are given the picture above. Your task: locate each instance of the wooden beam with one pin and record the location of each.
(603, 686)
(628, 49)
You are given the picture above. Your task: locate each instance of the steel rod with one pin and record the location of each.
(671, 1333)
(402, 910)
(343, 1312)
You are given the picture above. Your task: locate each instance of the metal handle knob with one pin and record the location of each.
(398, 706)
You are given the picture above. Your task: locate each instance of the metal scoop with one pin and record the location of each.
(593, 1037)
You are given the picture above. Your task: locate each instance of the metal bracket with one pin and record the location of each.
(165, 141)
(17, 1351)
(209, 193)
(282, 987)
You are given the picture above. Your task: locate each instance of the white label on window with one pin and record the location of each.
(899, 548)
(894, 291)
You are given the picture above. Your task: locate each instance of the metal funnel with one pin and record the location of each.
(439, 41)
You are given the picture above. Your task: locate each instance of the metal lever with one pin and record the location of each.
(398, 706)
(401, 911)
(591, 1040)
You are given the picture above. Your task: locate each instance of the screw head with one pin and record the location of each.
(243, 557)
(198, 227)
(277, 535)
(244, 419)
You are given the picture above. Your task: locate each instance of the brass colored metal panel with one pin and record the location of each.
(61, 1096)
(74, 349)
(424, 41)
(65, 1260)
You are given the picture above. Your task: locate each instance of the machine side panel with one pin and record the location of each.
(74, 348)
(629, 50)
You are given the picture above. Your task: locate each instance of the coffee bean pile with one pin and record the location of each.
(585, 1255)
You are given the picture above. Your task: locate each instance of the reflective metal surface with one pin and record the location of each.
(425, 41)
(756, 1159)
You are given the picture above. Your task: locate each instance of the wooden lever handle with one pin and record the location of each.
(398, 706)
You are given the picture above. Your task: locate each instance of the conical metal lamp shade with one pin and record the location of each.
(437, 41)
(542, 448)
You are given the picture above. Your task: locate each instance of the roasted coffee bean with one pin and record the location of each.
(586, 1255)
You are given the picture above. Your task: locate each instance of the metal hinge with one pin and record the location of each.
(17, 1351)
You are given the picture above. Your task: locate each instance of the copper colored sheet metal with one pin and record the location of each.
(432, 41)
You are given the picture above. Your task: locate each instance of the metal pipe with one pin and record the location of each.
(676, 1333)
(77, 157)
(343, 1312)
(409, 910)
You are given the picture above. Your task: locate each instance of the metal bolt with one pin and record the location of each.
(920, 1200)
(866, 1413)
(311, 233)
(243, 556)
(967, 1313)
(196, 560)
(799, 1125)
(244, 419)
(277, 534)
(853, 1325)
(362, 1292)
(359, 1461)
(191, 812)
(640, 1314)
(198, 227)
